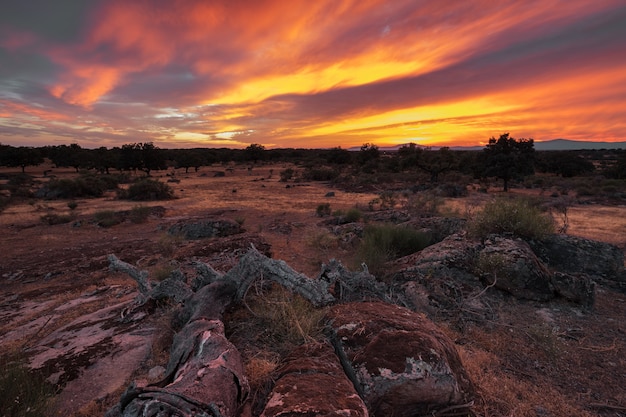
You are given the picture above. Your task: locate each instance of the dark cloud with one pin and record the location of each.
(57, 20)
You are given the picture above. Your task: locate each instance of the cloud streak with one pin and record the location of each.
(311, 74)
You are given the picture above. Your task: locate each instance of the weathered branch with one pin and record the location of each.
(254, 265)
(141, 276)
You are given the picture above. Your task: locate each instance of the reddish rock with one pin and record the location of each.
(404, 364)
(312, 383)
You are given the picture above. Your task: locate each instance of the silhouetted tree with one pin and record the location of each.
(507, 158)
(564, 163)
(254, 152)
(145, 157)
(435, 162)
(368, 153)
(69, 156)
(103, 159)
(22, 156)
(188, 158)
(338, 156)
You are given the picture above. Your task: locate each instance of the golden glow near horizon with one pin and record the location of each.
(314, 74)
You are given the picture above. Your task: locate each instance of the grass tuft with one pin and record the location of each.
(23, 393)
(382, 243)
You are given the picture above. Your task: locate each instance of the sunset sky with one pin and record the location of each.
(310, 73)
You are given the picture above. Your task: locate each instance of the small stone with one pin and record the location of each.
(156, 373)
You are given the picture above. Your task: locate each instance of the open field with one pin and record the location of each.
(536, 359)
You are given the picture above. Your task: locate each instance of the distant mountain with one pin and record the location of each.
(572, 145)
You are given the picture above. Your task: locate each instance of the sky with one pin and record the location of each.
(310, 73)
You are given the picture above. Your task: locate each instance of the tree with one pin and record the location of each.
(564, 163)
(22, 156)
(369, 152)
(508, 158)
(188, 158)
(254, 152)
(142, 156)
(69, 156)
(338, 156)
(435, 162)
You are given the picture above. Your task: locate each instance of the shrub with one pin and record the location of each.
(139, 214)
(107, 218)
(516, 216)
(88, 185)
(53, 219)
(286, 174)
(323, 210)
(24, 393)
(320, 174)
(353, 215)
(72, 205)
(147, 189)
(382, 243)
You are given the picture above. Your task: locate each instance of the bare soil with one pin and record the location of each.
(534, 359)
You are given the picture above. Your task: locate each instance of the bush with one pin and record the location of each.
(320, 174)
(147, 189)
(88, 185)
(382, 243)
(139, 214)
(516, 216)
(323, 210)
(107, 218)
(53, 219)
(286, 174)
(23, 392)
(353, 215)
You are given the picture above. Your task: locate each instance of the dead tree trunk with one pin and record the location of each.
(205, 374)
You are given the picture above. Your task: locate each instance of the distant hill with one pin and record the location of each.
(571, 145)
(547, 145)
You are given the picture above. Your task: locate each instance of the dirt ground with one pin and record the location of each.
(535, 359)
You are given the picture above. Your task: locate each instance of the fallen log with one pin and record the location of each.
(205, 374)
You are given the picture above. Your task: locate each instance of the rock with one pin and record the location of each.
(389, 216)
(156, 373)
(575, 255)
(205, 229)
(330, 194)
(455, 252)
(578, 288)
(404, 365)
(311, 382)
(438, 227)
(92, 356)
(513, 267)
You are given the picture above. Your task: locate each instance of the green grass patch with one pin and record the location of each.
(382, 243)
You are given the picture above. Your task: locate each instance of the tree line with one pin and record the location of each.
(504, 158)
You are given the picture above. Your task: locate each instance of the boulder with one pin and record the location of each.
(511, 265)
(402, 363)
(575, 255)
(578, 288)
(438, 228)
(205, 229)
(311, 382)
